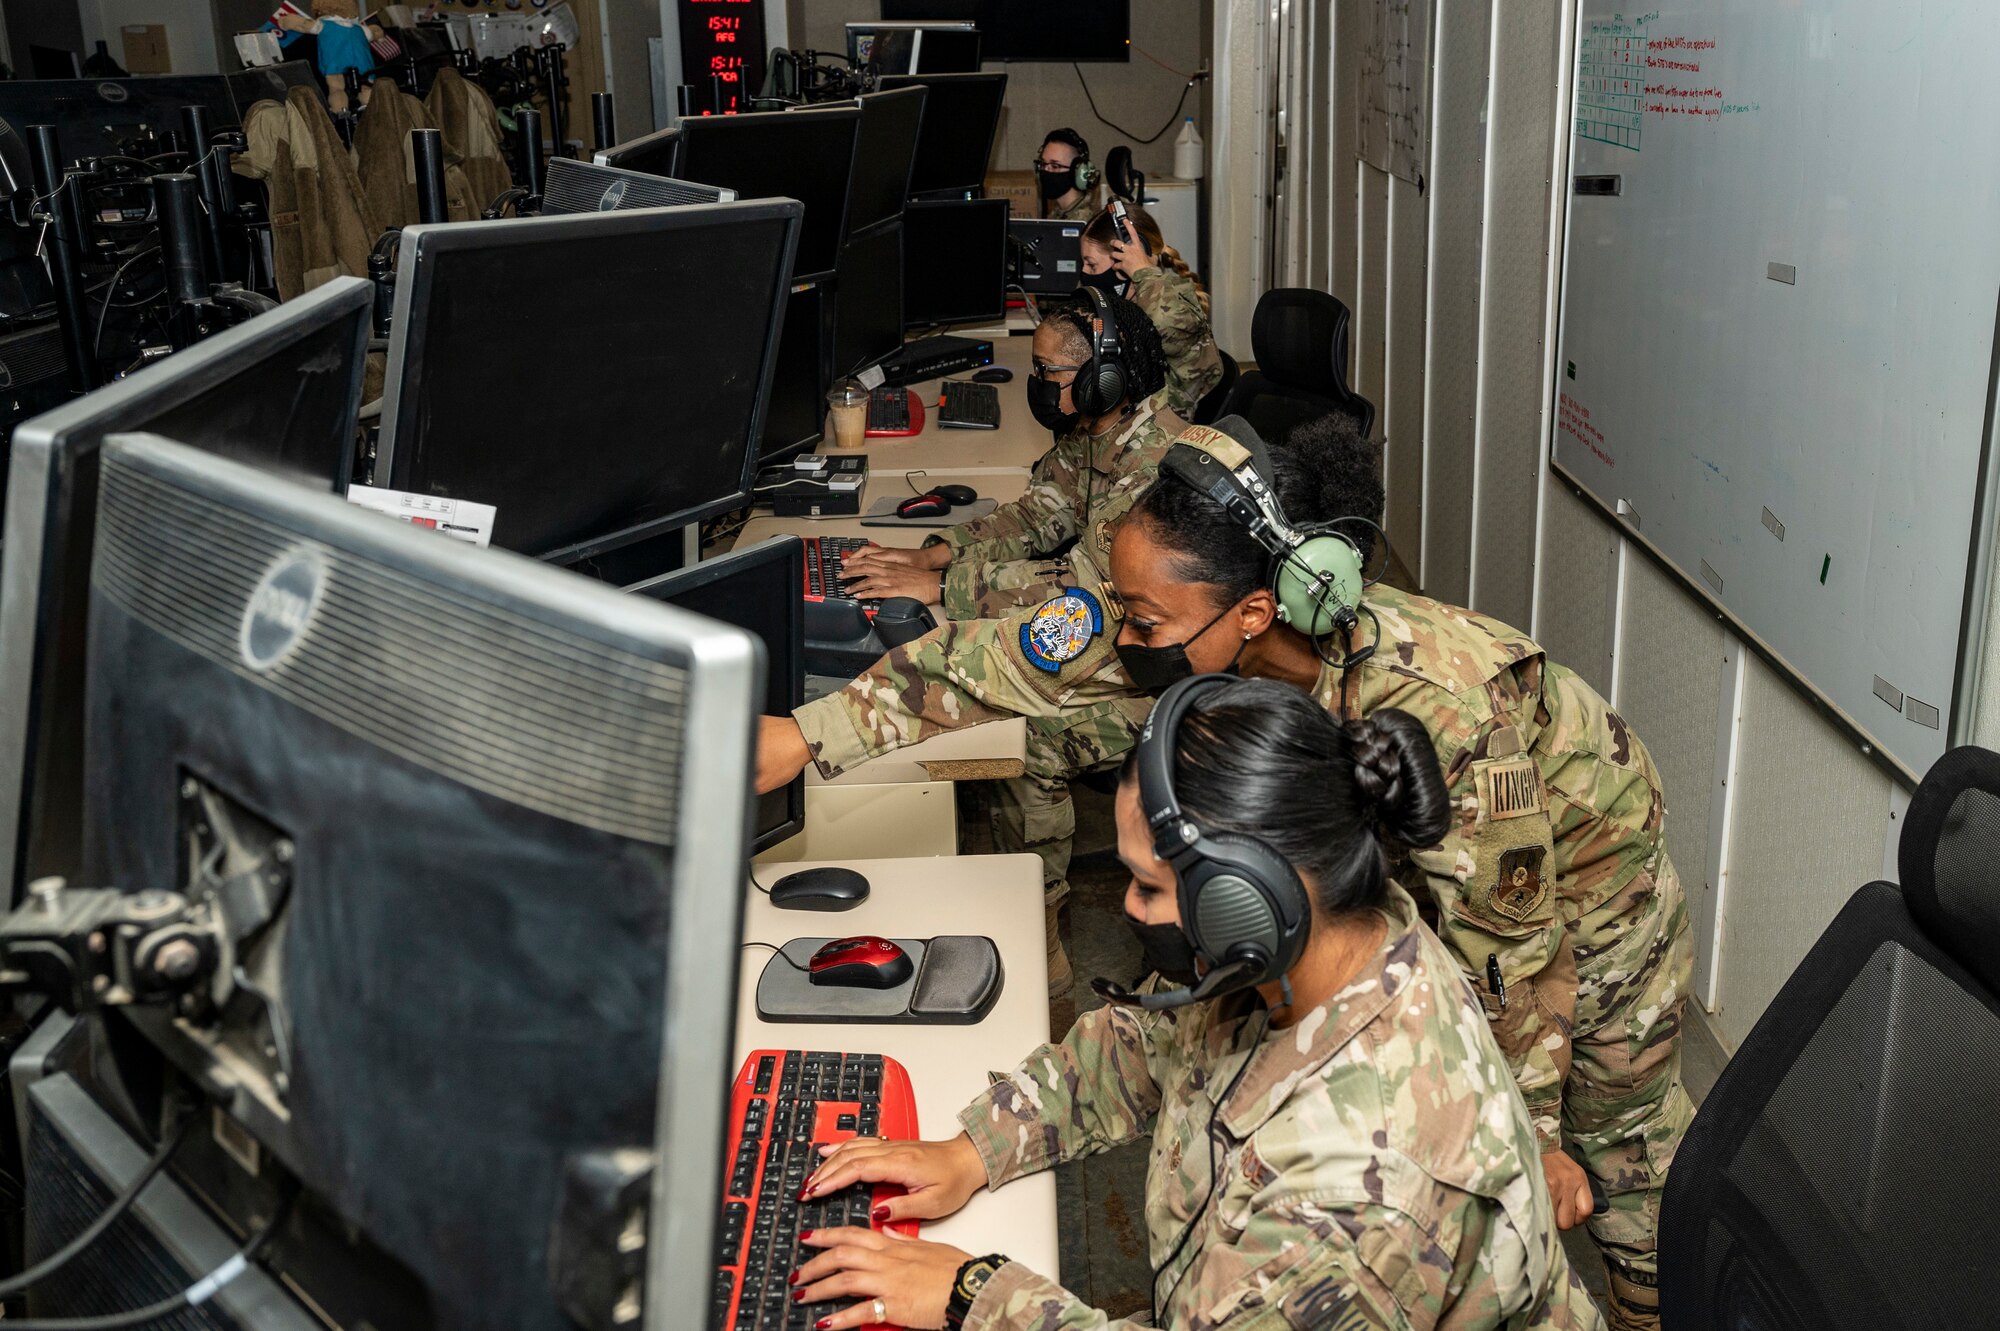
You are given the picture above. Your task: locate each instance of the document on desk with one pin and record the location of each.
(458, 518)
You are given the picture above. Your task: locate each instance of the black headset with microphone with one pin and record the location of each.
(1101, 381)
(1242, 905)
(1083, 173)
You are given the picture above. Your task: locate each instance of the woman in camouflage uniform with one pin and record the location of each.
(1327, 1151)
(1153, 276)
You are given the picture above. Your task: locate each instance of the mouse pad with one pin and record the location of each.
(954, 981)
(882, 513)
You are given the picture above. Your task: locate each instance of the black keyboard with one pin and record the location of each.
(969, 406)
(824, 569)
(784, 1105)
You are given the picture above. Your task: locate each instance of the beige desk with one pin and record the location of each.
(1018, 443)
(1001, 485)
(999, 896)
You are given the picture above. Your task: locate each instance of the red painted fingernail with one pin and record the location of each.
(792, 1279)
(798, 1296)
(822, 1324)
(805, 1234)
(880, 1213)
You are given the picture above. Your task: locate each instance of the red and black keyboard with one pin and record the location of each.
(784, 1105)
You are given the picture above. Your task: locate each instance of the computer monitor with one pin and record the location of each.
(599, 379)
(54, 62)
(1030, 30)
(890, 123)
(478, 828)
(756, 589)
(868, 301)
(1045, 255)
(571, 186)
(806, 155)
(795, 416)
(279, 392)
(914, 47)
(961, 115)
(954, 261)
(651, 154)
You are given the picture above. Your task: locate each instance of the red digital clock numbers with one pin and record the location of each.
(722, 51)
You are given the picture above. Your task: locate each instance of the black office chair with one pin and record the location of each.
(1839, 1174)
(1299, 339)
(1209, 409)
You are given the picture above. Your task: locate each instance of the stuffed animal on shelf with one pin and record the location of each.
(342, 39)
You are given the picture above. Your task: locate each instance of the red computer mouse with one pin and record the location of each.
(924, 506)
(861, 962)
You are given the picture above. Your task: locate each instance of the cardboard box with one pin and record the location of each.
(146, 48)
(1018, 188)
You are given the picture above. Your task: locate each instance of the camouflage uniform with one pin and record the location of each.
(1003, 561)
(1086, 207)
(1368, 1176)
(1194, 364)
(1558, 871)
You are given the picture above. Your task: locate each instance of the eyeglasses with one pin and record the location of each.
(1044, 164)
(1049, 371)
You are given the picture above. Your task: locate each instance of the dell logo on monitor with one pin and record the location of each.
(281, 609)
(613, 196)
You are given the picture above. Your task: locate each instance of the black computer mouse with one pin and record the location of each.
(862, 962)
(993, 374)
(820, 889)
(959, 495)
(924, 506)
(901, 619)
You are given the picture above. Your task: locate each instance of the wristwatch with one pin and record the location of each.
(972, 1278)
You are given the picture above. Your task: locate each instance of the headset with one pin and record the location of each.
(1242, 904)
(1083, 173)
(1101, 381)
(1315, 573)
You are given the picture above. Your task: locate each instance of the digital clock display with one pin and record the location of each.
(722, 51)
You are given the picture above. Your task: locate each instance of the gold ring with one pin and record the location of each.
(881, 1311)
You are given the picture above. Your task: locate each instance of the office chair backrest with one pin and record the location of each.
(1299, 339)
(1840, 1172)
(1209, 410)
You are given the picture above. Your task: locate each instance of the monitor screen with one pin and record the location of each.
(598, 378)
(279, 392)
(961, 114)
(1060, 30)
(804, 155)
(796, 416)
(914, 48)
(477, 829)
(890, 122)
(868, 301)
(756, 589)
(954, 261)
(651, 154)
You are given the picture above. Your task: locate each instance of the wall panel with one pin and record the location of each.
(1579, 588)
(1401, 422)
(1369, 334)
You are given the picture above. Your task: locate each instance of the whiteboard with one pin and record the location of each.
(1776, 345)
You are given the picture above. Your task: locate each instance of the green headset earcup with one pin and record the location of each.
(1318, 584)
(1086, 174)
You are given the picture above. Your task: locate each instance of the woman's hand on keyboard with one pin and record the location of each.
(883, 558)
(880, 583)
(937, 1178)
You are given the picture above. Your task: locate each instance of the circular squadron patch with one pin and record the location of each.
(1059, 632)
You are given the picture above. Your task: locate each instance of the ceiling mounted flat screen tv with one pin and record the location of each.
(1032, 29)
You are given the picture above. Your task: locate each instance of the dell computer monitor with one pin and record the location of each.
(756, 589)
(890, 123)
(571, 186)
(806, 155)
(478, 833)
(795, 414)
(969, 285)
(961, 115)
(914, 48)
(868, 301)
(599, 379)
(651, 154)
(279, 392)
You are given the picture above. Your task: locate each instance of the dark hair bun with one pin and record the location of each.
(1396, 777)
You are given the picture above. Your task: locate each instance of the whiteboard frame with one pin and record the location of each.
(1968, 673)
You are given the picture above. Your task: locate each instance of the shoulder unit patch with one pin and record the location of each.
(1059, 632)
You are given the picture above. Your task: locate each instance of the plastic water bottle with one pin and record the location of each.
(1187, 152)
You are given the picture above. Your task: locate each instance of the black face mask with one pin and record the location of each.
(1107, 281)
(1045, 405)
(1055, 184)
(1157, 669)
(1167, 950)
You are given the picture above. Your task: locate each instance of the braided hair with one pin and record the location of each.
(1145, 359)
(1264, 759)
(1103, 230)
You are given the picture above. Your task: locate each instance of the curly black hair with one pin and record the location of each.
(1069, 138)
(1138, 339)
(1323, 471)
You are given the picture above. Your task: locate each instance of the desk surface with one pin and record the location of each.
(1002, 485)
(999, 896)
(1019, 443)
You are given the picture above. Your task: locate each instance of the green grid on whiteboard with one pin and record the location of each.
(1610, 77)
